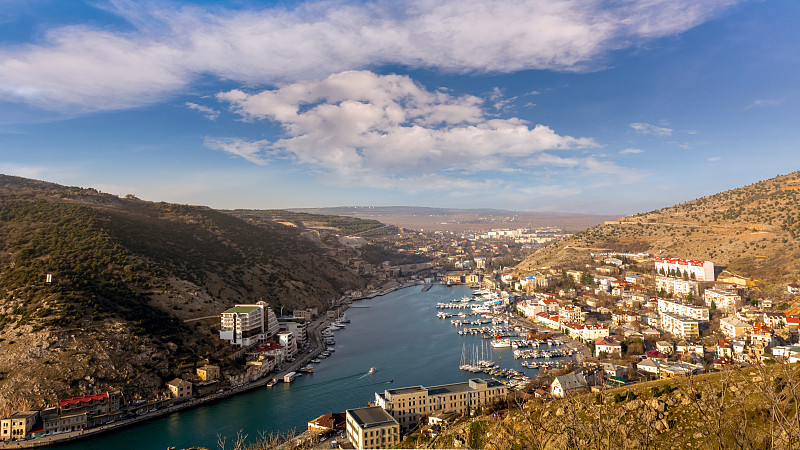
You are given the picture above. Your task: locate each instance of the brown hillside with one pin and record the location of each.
(753, 231)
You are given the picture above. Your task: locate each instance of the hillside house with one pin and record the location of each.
(565, 385)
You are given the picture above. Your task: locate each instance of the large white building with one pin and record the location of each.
(407, 405)
(371, 427)
(682, 326)
(733, 326)
(677, 286)
(702, 270)
(666, 305)
(247, 325)
(723, 300)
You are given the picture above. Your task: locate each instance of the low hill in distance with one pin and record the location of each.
(458, 220)
(127, 273)
(752, 231)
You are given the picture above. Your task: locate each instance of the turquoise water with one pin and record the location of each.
(398, 334)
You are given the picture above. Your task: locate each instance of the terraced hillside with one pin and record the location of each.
(753, 231)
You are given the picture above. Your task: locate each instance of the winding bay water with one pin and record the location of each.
(398, 333)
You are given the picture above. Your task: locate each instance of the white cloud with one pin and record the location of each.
(647, 128)
(714, 159)
(26, 171)
(249, 150)
(86, 68)
(764, 102)
(631, 151)
(209, 113)
(371, 128)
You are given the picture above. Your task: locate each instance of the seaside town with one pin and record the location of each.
(622, 319)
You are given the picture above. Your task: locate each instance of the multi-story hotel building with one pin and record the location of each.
(407, 405)
(371, 427)
(723, 300)
(676, 286)
(702, 270)
(247, 325)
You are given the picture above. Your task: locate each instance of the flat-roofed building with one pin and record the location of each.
(681, 288)
(208, 372)
(19, 425)
(372, 427)
(682, 326)
(286, 339)
(247, 325)
(299, 329)
(697, 270)
(408, 405)
(733, 326)
(723, 300)
(666, 305)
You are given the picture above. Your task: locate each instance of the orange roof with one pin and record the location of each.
(82, 399)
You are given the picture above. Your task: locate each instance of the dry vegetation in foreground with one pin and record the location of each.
(752, 408)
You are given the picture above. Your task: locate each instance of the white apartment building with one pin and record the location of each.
(732, 326)
(247, 325)
(571, 314)
(682, 309)
(371, 427)
(286, 339)
(702, 270)
(407, 405)
(682, 326)
(298, 329)
(677, 286)
(723, 300)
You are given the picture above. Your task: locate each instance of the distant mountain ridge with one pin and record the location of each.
(423, 210)
(126, 273)
(753, 231)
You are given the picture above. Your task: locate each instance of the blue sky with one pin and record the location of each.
(578, 106)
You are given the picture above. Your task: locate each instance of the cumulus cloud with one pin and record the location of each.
(631, 151)
(209, 113)
(647, 128)
(374, 128)
(86, 68)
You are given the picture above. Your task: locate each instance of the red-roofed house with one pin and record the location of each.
(793, 322)
(328, 422)
(92, 404)
(549, 320)
(607, 344)
(793, 288)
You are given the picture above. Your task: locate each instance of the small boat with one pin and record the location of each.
(316, 360)
(271, 382)
(372, 370)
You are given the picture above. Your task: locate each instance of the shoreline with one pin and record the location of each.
(317, 346)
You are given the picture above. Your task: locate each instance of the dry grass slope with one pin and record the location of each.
(753, 231)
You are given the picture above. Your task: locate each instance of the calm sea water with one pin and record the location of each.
(398, 334)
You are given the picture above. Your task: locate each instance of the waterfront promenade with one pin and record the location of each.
(315, 347)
